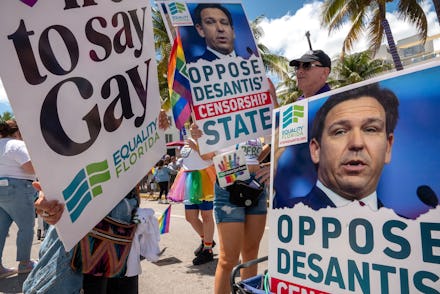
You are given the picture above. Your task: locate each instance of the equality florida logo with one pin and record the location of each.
(85, 186)
(293, 124)
(179, 14)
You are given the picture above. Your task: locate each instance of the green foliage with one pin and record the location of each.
(273, 63)
(369, 17)
(6, 116)
(355, 68)
(163, 48)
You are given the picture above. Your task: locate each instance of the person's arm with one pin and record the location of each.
(273, 94)
(28, 167)
(164, 123)
(208, 156)
(196, 133)
(263, 173)
(192, 143)
(50, 211)
(264, 153)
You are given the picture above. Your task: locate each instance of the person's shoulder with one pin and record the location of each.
(15, 143)
(207, 55)
(315, 199)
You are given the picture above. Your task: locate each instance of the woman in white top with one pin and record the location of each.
(194, 185)
(17, 196)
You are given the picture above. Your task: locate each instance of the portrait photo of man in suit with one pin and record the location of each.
(351, 141)
(213, 22)
(219, 30)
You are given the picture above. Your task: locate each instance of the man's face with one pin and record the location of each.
(312, 78)
(354, 148)
(217, 30)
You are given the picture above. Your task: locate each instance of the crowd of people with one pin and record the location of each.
(190, 177)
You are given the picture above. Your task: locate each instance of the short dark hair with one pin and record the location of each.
(8, 127)
(385, 97)
(200, 7)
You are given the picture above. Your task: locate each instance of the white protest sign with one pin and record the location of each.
(81, 78)
(336, 147)
(229, 88)
(344, 250)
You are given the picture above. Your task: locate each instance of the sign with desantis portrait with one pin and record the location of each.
(354, 200)
(82, 82)
(229, 89)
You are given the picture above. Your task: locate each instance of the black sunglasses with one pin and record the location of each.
(307, 65)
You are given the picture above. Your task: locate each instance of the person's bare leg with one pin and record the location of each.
(208, 225)
(253, 232)
(192, 216)
(230, 238)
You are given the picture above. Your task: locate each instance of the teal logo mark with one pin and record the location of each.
(176, 7)
(84, 187)
(292, 114)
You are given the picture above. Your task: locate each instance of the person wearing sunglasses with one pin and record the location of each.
(312, 71)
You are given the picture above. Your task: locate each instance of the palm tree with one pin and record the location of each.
(163, 48)
(287, 90)
(6, 116)
(371, 16)
(273, 63)
(355, 68)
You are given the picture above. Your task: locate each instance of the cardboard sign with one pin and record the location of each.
(81, 78)
(229, 88)
(321, 242)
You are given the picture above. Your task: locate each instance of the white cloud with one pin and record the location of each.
(286, 35)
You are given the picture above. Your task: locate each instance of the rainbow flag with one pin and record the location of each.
(164, 221)
(178, 85)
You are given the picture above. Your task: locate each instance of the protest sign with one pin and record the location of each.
(230, 92)
(82, 82)
(321, 242)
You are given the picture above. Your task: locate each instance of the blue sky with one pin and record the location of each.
(271, 8)
(277, 8)
(287, 21)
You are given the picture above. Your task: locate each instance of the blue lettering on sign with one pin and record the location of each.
(285, 222)
(405, 250)
(327, 234)
(334, 274)
(369, 236)
(318, 278)
(428, 242)
(355, 275)
(306, 228)
(283, 261)
(297, 258)
(235, 126)
(359, 275)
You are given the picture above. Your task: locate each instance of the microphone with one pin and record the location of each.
(249, 50)
(427, 196)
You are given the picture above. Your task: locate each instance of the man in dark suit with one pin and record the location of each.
(351, 141)
(213, 22)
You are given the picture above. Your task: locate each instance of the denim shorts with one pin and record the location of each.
(226, 212)
(205, 205)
